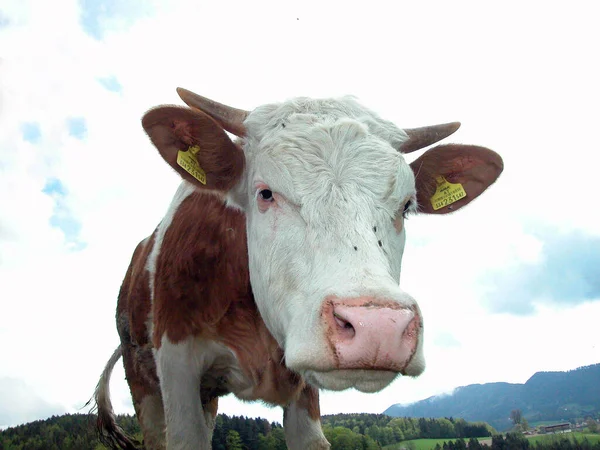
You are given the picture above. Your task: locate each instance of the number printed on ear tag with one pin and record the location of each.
(187, 160)
(446, 193)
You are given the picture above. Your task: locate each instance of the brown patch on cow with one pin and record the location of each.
(263, 362)
(134, 295)
(202, 271)
(309, 401)
(141, 378)
(202, 289)
(133, 310)
(212, 407)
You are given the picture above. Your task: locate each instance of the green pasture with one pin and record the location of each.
(574, 436)
(425, 444)
(429, 444)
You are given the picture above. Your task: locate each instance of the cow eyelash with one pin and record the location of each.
(408, 208)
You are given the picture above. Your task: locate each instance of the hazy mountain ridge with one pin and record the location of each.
(545, 396)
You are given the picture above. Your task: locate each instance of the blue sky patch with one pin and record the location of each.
(97, 16)
(567, 275)
(62, 217)
(54, 187)
(31, 132)
(4, 21)
(77, 127)
(111, 84)
(92, 14)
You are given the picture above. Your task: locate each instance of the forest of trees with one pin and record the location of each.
(389, 430)
(344, 431)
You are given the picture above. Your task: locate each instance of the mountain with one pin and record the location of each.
(546, 396)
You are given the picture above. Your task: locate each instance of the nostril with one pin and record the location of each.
(344, 328)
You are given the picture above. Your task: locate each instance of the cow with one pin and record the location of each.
(276, 269)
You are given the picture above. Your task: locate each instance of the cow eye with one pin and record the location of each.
(266, 195)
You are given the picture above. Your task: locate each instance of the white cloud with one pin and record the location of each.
(518, 76)
(25, 404)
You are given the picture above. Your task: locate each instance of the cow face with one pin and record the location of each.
(325, 192)
(325, 196)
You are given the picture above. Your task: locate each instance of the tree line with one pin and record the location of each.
(344, 431)
(389, 430)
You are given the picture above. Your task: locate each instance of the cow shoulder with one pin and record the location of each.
(200, 269)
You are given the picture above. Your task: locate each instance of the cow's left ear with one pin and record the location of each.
(196, 146)
(449, 176)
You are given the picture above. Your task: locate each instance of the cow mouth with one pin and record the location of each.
(368, 381)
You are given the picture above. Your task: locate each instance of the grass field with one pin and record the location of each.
(424, 444)
(429, 444)
(593, 438)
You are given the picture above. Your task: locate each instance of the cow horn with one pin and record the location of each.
(231, 119)
(422, 137)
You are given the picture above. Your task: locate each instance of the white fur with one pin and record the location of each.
(336, 173)
(302, 432)
(180, 369)
(152, 422)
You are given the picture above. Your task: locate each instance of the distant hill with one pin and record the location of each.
(545, 396)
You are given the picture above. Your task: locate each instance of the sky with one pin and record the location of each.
(508, 286)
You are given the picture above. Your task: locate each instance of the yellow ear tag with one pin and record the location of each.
(446, 193)
(187, 160)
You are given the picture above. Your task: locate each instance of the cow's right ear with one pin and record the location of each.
(195, 146)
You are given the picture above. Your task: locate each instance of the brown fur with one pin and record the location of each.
(133, 310)
(309, 400)
(202, 288)
(173, 128)
(202, 284)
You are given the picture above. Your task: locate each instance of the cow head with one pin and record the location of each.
(326, 190)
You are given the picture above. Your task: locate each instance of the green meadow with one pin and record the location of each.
(429, 444)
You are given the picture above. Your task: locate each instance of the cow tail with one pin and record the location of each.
(109, 432)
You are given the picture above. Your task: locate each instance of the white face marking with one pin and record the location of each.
(323, 186)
